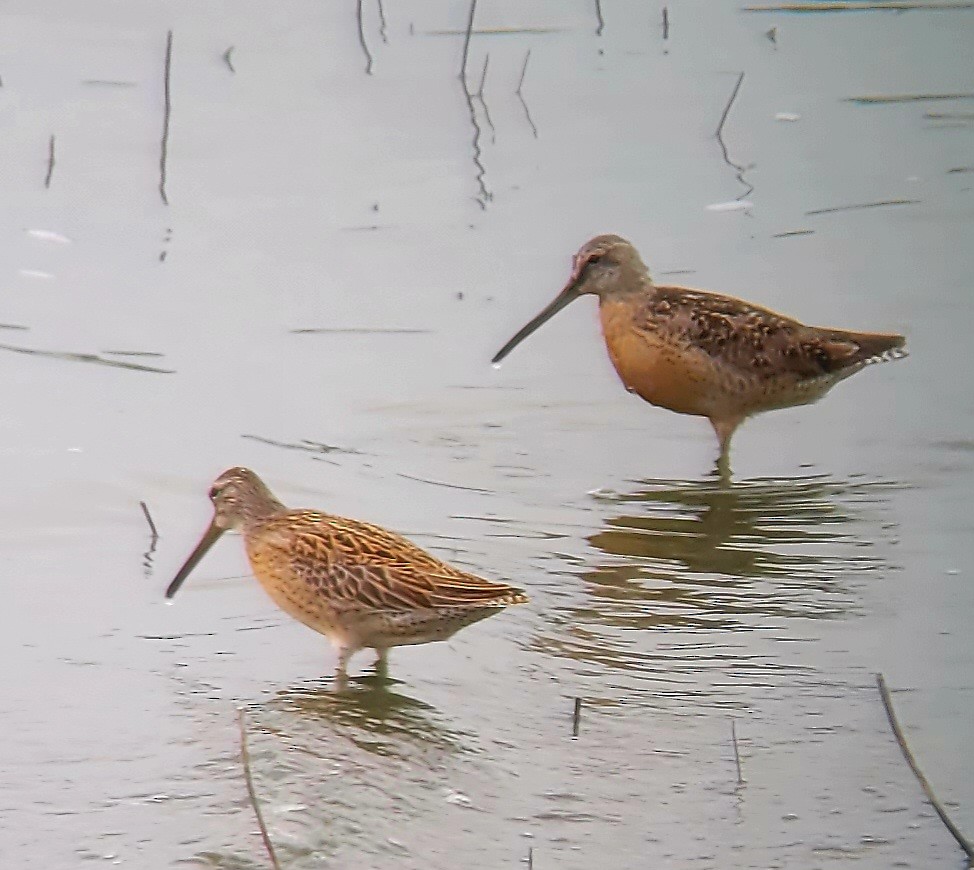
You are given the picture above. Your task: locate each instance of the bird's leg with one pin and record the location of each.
(723, 469)
(725, 427)
(382, 663)
(341, 668)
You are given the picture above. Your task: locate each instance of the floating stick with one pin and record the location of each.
(361, 39)
(148, 519)
(167, 110)
(50, 162)
(864, 205)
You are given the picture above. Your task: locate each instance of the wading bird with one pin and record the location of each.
(703, 353)
(361, 586)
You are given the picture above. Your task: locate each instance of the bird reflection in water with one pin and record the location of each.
(716, 556)
(353, 777)
(369, 714)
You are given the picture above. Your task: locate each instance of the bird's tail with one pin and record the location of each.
(865, 348)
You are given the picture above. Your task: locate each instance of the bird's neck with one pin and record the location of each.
(258, 507)
(631, 282)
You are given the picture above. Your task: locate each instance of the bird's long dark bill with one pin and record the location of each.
(556, 304)
(207, 541)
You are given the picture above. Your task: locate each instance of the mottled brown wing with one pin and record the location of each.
(360, 565)
(756, 340)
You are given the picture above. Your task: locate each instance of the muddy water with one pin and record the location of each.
(319, 301)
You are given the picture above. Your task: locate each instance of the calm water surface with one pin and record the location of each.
(320, 300)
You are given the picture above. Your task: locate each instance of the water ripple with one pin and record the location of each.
(696, 560)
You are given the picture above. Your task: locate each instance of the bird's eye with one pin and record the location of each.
(214, 492)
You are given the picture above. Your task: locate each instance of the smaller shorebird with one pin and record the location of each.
(360, 585)
(703, 353)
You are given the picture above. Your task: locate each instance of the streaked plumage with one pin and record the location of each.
(703, 353)
(358, 584)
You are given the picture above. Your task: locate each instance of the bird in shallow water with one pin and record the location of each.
(703, 353)
(361, 586)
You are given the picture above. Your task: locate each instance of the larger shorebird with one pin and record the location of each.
(703, 353)
(361, 586)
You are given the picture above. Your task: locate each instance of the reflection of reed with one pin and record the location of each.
(520, 95)
(717, 555)
(148, 554)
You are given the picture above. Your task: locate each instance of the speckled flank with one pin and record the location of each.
(358, 584)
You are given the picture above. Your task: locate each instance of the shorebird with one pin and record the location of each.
(703, 353)
(361, 586)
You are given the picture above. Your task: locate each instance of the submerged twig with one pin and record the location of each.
(726, 112)
(442, 483)
(358, 330)
(109, 83)
(870, 100)
(361, 38)
(382, 22)
(85, 358)
(483, 196)
(483, 102)
(483, 76)
(863, 205)
(599, 18)
(524, 71)
(245, 759)
(530, 857)
(228, 61)
(148, 554)
(577, 717)
(154, 353)
(720, 138)
(520, 96)
(480, 173)
(857, 6)
(496, 31)
(148, 519)
(50, 162)
(167, 110)
(147, 557)
(466, 44)
(666, 23)
(901, 739)
(737, 755)
(314, 447)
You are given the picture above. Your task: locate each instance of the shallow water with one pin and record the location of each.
(320, 300)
